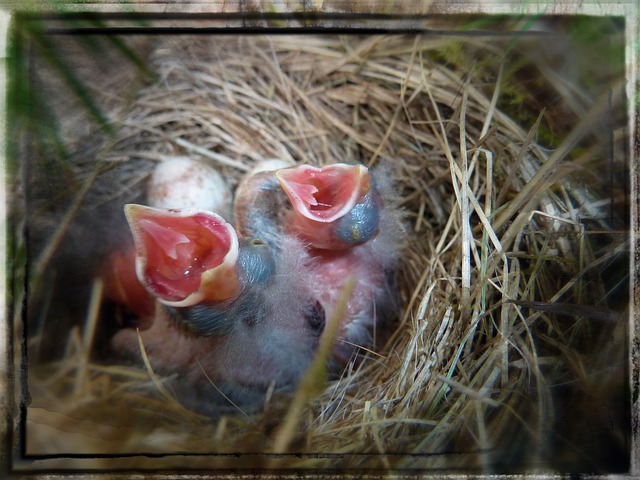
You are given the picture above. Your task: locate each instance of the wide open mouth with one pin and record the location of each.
(324, 194)
(184, 256)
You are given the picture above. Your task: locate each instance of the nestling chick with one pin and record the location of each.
(211, 307)
(229, 319)
(348, 228)
(334, 207)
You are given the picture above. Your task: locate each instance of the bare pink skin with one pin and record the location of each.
(330, 270)
(165, 345)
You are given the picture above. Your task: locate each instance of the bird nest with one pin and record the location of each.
(512, 283)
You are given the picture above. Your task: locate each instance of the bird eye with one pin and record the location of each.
(360, 224)
(316, 318)
(255, 261)
(203, 320)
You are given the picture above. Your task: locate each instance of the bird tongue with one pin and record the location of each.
(306, 193)
(184, 256)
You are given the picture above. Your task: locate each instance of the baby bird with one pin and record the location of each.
(230, 321)
(348, 227)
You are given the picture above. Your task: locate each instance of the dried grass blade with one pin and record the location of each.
(314, 380)
(463, 201)
(212, 155)
(583, 128)
(88, 333)
(177, 406)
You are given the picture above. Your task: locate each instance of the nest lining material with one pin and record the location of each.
(464, 369)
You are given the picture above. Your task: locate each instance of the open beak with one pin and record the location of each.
(335, 207)
(184, 257)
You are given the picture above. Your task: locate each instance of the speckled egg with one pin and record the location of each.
(180, 182)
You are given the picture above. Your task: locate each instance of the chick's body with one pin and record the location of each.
(217, 351)
(265, 342)
(263, 210)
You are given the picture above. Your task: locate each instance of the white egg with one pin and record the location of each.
(180, 182)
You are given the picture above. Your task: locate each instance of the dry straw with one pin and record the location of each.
(499, 236)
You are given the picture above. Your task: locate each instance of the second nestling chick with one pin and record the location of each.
(350, 227)
(231, 322)
(212, 309)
